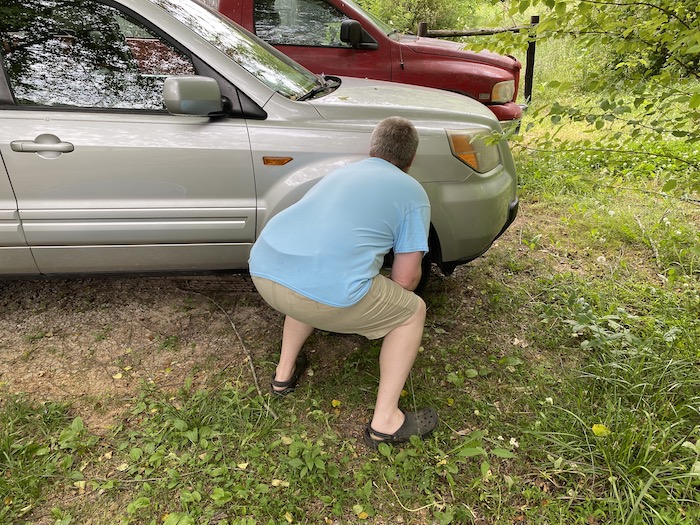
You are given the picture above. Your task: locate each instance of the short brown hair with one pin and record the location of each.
(395, 140)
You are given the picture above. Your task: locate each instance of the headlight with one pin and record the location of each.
(473, 148)
(503, 92)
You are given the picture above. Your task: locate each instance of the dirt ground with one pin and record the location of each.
(92, 342)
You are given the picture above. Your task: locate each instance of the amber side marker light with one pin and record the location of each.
(276, 161)
(463, 149)
(473, 150)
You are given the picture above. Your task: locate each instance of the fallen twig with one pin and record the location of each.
(249, 357)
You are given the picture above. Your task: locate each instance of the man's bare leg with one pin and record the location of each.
(294, 336)
(399, 350)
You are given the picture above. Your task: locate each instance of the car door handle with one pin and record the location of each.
(29, 146)
(44, 143)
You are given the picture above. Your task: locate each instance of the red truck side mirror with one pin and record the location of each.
(351, 32)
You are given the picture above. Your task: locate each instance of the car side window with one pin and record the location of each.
(299, 23)
(82, 53)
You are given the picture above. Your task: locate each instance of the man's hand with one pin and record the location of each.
(406, 269)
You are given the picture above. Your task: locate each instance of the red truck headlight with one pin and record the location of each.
(503, 92)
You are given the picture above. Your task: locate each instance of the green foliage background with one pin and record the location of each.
(405, 15)
(628, 79)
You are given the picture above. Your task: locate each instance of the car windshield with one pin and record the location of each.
(261, 60)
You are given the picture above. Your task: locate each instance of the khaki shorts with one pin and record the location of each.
(385, 306)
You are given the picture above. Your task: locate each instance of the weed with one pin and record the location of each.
(169, 342)
(37, 443)
(36, 336)
(103, 333)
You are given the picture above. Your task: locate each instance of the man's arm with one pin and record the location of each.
(406, 269)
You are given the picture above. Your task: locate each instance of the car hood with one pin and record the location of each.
(363, 98)
(435, 46)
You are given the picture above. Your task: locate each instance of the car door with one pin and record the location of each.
(105, 179)
(15, 256)
(308, 31)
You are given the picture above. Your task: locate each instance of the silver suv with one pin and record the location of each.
(156, 135)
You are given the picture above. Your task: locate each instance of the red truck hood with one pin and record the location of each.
(435, 46)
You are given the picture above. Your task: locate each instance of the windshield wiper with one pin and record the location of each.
(327, 83)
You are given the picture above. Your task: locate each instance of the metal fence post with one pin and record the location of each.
(530, 62)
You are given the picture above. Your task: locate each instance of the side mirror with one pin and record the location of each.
(351, 32)
(193, 95)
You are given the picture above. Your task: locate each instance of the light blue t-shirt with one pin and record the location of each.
(331, 244)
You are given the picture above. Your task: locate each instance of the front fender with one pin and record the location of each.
(280, 186)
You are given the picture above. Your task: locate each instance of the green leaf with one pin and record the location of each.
(296, 463)
(221, 496)
(471, 452)
(384, 449)
(511, 361)
(670, 185)
(176, 518)
(192, 435)
(485, 469)
(218, 471)
(694, 101)
(190, 497)
(138, 503)
(502, 453)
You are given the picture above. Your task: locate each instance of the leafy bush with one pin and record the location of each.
(642, 91)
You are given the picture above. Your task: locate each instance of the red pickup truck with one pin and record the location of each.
(337, 37)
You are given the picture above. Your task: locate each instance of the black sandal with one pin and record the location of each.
(289, 386)
(420, 424)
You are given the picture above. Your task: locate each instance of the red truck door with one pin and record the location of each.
(308, 31)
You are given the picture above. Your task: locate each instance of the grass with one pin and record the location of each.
(38, 445)
(563, 364)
